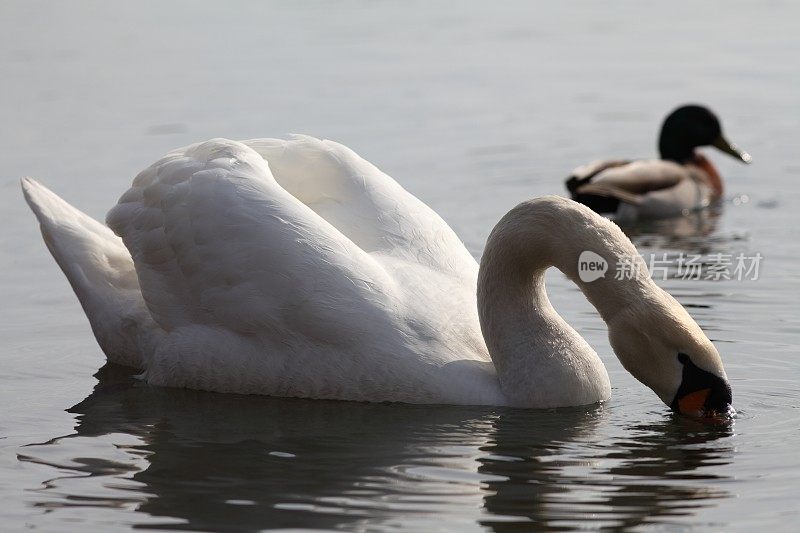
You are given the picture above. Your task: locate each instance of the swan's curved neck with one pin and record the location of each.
(540, 359)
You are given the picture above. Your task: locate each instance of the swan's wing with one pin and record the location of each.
(364, 204)
(217, 242)
(101, 273)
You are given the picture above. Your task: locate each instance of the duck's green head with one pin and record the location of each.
(691, 126)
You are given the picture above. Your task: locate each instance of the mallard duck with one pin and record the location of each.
(683, 180)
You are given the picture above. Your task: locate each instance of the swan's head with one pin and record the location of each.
(664, 348)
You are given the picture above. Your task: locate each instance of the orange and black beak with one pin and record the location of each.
(694, 403)
(722, 144)
(701, 394)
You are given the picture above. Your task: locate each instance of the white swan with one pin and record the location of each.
(297, 268)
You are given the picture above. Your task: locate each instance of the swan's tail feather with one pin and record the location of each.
(101, 272)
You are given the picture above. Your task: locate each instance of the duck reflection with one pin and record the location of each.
(205, 461)
(694, 233)
(687, 248)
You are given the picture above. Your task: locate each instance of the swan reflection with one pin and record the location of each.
(566, 475)
(193, 460)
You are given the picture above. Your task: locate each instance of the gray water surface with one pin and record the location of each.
(473, 107)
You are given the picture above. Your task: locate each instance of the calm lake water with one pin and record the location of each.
(473, 108)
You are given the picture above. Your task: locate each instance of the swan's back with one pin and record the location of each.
(331, 281)
(217, 241)
(364, 204)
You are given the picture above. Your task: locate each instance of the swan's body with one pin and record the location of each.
(296, 268)
(681, 181)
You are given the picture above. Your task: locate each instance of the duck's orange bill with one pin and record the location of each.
(692, 404)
